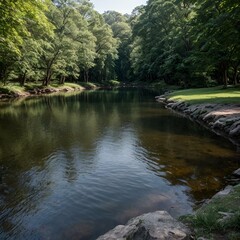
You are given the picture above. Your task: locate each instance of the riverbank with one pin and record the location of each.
(15, 91)
(11, 91)
(215, 108)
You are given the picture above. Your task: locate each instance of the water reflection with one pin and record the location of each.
(75, 166)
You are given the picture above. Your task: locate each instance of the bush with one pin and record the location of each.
(211, 83)
(113, 83)
(88, 85)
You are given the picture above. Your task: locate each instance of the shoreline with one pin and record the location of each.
(39, 91)
(222, 119)
(36, 91)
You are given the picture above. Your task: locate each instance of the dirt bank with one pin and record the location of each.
(37, 91)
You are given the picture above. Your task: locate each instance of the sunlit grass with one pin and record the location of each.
(11, 89)
(67, 85)
(207, 95)
(73, 85)
(88, 85)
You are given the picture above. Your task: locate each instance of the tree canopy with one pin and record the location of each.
(181, 42)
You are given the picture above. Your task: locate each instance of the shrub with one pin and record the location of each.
(113, 83)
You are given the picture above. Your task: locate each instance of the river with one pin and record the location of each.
(75, 166)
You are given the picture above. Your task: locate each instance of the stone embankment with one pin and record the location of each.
(223, 119)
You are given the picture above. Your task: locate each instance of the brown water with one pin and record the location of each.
(73, 167)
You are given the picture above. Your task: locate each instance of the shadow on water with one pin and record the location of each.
(74, 166)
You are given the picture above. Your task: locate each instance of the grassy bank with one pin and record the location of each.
(32, 88)
(207, 95)
(15, 90)
(219, 219)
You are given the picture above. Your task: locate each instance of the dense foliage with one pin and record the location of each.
(187, 42)
(180, 42)
(62, 39)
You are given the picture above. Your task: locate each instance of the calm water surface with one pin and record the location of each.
(73, 167)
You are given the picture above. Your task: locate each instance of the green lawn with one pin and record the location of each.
(207, 95)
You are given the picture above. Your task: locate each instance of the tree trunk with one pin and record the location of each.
(224, 73)
(23, 79)
(84, 76)
(3, 74)
(235, 73)
(235, 76)
(225, 77)
(47, 78)
(62, 80)
(87, 76)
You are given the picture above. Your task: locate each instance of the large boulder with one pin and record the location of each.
(151, 226)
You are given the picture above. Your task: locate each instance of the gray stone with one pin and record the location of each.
(235, 132)
(235, 124)
(220, 123)
(169, 105)
(237, 172)
(176, 105)
(157, 225)
(224, 192)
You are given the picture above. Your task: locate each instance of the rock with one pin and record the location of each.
(237, 172)
(170, 100)
(160, 99)
(235, 132)
(176, 105)
(220, 123)
(157, 225)
(169, 105)
(49, 90)
(235, 124)
(226, 216)
(224, 192)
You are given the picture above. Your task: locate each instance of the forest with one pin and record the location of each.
(175, 42)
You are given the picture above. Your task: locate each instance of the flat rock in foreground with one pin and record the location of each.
(151, 226)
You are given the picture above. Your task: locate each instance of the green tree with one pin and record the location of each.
(106, 48)
(14, 20)
(161, 36)
(122, 33)
(61, 56)
(216, 28)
